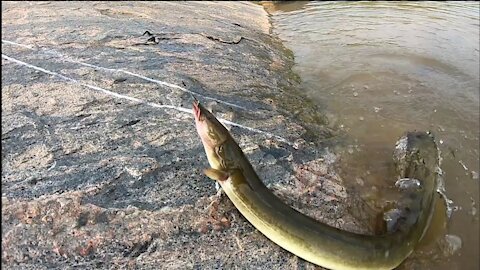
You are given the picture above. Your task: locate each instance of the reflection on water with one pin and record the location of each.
(384, 68)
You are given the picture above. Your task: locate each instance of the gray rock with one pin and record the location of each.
(102, 166)
(92, 179)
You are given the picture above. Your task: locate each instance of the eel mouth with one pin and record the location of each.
(196, 110)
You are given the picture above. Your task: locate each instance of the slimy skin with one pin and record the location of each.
(306, 237)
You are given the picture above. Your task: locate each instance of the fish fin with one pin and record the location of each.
(217, 175)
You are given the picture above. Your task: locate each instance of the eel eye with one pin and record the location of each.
(220, 150)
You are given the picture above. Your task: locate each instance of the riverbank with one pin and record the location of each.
(102, 166)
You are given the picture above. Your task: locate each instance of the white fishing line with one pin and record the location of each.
(155, 105)
(17, 44)
(159, 82)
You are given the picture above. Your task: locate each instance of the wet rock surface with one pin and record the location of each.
(91, 179)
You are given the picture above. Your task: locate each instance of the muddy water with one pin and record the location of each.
(380, 69)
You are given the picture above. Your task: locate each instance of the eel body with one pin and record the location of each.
(304, 236)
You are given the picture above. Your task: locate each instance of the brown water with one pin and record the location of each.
(379, 69)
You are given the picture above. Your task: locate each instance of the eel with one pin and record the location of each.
(316, 242)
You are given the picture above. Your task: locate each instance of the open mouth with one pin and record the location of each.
(196, 109)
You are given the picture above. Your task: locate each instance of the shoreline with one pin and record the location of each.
(100, 171)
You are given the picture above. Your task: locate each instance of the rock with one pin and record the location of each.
(97, 175)
(103, 167)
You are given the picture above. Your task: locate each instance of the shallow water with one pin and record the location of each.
(379, 69)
